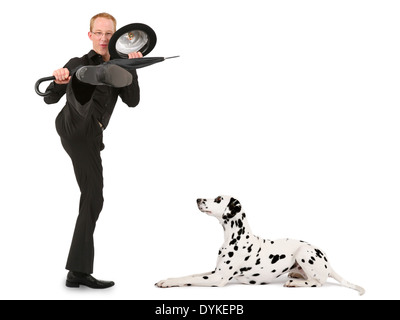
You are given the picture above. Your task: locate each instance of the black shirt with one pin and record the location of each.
(104, 97)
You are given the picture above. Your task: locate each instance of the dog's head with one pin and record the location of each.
(222, 207)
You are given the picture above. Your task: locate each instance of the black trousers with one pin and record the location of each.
(81, 136)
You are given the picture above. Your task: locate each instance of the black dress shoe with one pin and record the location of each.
(105, 74)
(75, 279)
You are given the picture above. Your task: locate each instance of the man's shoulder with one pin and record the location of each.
(84, 60)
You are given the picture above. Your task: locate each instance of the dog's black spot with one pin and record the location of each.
(319, 253)
(235, 248)
(276, 258)
(232, 242)
(252, 282)
(273, 271)
(258, 262)
(285, 270)
(240, 223)
(247, 258)
(256, 275)
(310, 261)
(230, 254)
(245, 269)
(205, 277)
(249, 248)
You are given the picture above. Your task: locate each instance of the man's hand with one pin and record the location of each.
(62, 76)
(134, 55)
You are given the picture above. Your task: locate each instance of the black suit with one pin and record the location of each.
(80, 125)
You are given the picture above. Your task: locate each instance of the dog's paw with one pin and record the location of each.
(165, 284)
(160, 284)
(289, 284)
(295, 283)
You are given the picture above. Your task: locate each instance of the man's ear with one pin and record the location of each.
(90, 35)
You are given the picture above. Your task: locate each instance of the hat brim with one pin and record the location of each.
(133, 37)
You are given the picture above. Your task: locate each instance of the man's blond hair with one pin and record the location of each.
(103, 15)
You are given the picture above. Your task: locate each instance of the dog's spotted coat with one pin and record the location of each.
(252, 260)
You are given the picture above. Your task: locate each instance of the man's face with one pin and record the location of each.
(101, 34)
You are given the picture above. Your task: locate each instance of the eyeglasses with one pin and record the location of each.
(99, 35)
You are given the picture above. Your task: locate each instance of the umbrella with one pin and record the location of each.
(138, 62)
(129, 64)
(130, 38)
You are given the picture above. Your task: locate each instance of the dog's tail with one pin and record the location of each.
(345, 283)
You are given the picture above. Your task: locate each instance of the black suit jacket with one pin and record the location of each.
(104, 97)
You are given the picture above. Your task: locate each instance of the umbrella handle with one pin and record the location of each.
(119, 62)
(37, 84)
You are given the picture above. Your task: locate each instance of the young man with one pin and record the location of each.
(92, 92)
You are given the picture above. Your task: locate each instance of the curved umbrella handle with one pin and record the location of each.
(37, 84)
(124, 63)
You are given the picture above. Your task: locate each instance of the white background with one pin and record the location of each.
(290, 106)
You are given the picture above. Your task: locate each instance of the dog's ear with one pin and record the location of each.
(232, 209)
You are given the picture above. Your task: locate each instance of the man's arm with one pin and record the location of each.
(56, 92)
(131, 94)
(59, 86)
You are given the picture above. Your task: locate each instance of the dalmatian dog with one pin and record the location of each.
(252, 260)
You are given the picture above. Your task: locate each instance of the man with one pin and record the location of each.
(92, 92)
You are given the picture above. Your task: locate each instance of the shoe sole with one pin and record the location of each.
(110, 75)
(70, 284)
(117, 77)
